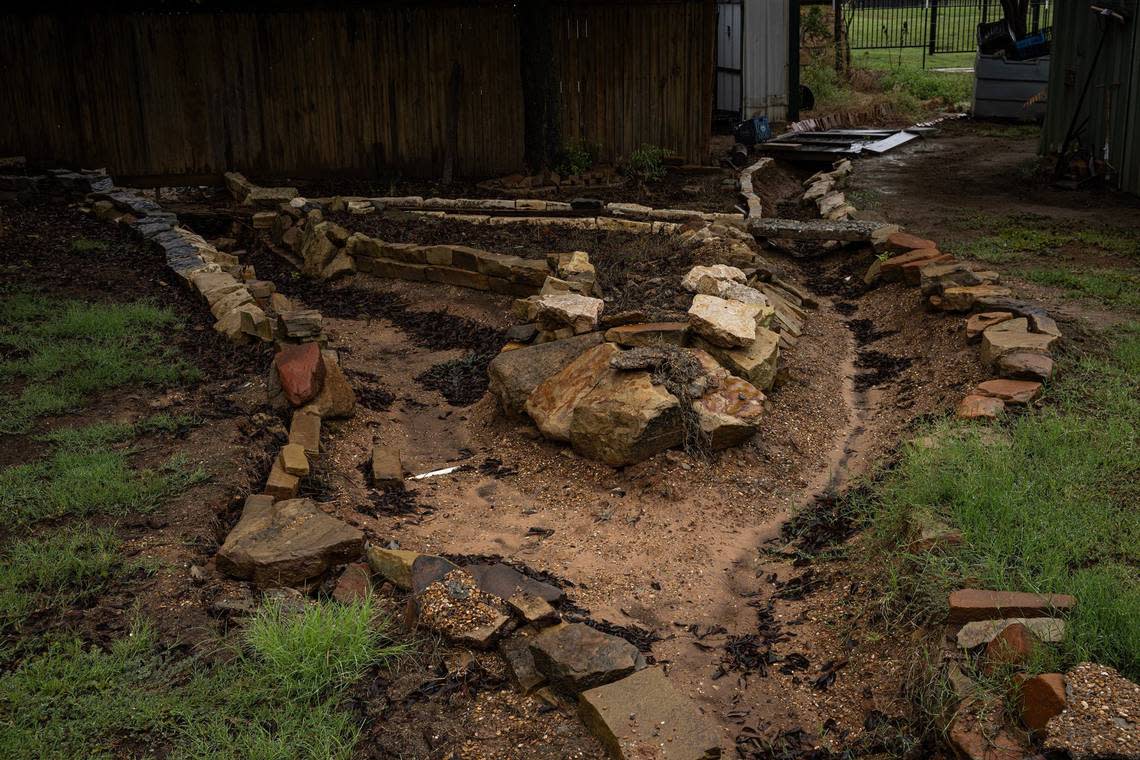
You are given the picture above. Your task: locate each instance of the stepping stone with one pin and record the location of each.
(1013, 335)
(515, 374)
(967, 605)
(978, 407)
(730, 324)
(286, 542)
(301, 370)
(976, 324)
(649, 334)
(393, 565)
(576, 657)
(354, 584)
(1010, 391)
(1025, 364)
(642, 716)
(387, 469)
(504, 582)
(1047, 629)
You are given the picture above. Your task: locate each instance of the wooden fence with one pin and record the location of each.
(362, 91)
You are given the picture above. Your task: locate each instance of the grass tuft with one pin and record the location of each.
(267, 701)
(64, 569)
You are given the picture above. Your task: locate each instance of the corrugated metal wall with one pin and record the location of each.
(766, 59)
(361, 90)
(1112, 105)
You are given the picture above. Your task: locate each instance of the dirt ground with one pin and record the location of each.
(686, 556)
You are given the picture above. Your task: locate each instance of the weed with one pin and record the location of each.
(647, 164)
(1047, 507)
(86, 245)
(277, 696)
(576, 158)
(78, 483)
(63, 569)
(64, 352)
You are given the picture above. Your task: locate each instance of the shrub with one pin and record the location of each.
(647, 164)
(576, 158)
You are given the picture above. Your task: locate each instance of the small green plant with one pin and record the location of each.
(647, 164)
(1110, 286)
(576, 158)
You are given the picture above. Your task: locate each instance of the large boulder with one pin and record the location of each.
(515, 374)
(731, 324)
(552, 403)
(626, 419)
(286, 542)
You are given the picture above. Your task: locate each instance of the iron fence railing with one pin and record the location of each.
(939, 26)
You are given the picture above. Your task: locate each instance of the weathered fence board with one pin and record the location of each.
(357, 90)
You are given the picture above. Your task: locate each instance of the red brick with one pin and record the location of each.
(971, 604)
(301, 370)
(1042, 697)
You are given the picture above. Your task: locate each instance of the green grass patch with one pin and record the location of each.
(63, 352)
(107, 433)
(66, 568)
(1018, 237)
(87, 245)
(278, 697)
(922, 84)
(1048, 506)
(79, 483)
(1110, 286)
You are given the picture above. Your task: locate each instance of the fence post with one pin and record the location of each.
(793, 60)
(933, 26)
(1036, 15)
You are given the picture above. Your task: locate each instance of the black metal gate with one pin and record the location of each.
(939, 26)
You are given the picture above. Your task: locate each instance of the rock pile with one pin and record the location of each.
(627, 393)
(1016, 338)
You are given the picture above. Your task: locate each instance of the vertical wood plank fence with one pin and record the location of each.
(360, 91)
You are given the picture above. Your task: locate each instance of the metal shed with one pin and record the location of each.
(752, 58)
(1110, 111)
